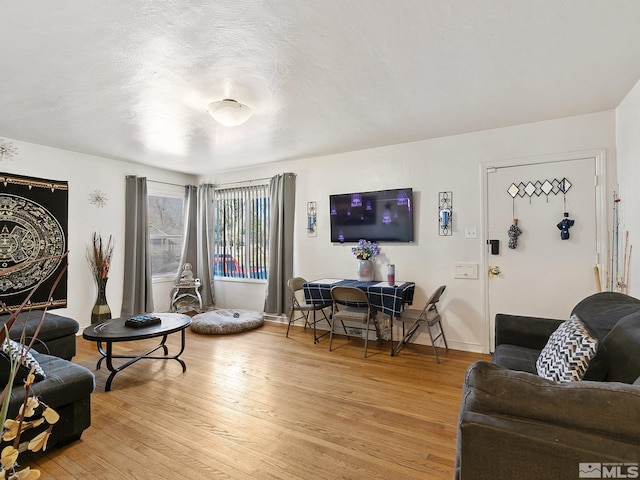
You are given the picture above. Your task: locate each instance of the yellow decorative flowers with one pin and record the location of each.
(13, 429)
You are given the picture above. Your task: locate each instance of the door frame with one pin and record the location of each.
(600, 183)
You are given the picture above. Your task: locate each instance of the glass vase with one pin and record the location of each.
(365, 271)
(101, 310)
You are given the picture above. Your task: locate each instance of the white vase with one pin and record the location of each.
(365, 271)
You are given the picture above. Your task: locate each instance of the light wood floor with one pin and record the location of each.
(257, 405)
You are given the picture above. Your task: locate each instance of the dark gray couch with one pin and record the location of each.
(57, 334)
(67, 387)
(515, 424)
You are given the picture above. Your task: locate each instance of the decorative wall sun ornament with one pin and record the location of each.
(98, 198)
(7, 150)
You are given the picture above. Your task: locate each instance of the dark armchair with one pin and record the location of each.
(515, 424)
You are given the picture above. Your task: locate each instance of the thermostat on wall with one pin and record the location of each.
(465, 270)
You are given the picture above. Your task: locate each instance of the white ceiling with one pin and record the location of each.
(130, 79)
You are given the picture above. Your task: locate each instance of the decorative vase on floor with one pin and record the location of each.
(365, 271)
(101, 310)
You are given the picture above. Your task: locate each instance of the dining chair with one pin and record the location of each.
(300, 304)
(428, 316)
(350, 304)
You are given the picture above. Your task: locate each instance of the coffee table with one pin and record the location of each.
(112, 331)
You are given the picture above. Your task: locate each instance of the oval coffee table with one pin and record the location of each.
(115, 330)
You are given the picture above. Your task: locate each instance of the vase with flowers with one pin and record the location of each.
(364, 252)
(99, 255)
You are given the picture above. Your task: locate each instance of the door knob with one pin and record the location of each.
(494, 271)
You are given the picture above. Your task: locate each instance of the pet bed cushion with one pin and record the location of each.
(225, 321)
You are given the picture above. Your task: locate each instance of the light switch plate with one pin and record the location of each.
(470, 232)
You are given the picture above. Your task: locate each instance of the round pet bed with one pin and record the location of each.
(222, 322)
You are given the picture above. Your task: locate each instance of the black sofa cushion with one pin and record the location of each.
(514, 425)
(601, 311)
(56, 335)
(524, 331)
(65, 382)
(494, 390)
(622, 347)
(513, 357)
(54, 326)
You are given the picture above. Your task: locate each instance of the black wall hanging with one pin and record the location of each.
(33, 233)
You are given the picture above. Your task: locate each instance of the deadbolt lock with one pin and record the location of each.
(494, 271)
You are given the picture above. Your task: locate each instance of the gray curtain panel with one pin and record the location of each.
(189, 236)
(137, 295)
(282, 193)
(196, 246)
(204, 231)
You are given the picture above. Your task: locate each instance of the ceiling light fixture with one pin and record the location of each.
(229, 112)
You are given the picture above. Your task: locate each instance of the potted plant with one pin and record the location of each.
(364, 252)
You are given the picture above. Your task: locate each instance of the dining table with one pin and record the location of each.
(387, 299)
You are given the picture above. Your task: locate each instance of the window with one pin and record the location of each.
(241, 232)
(166, 225)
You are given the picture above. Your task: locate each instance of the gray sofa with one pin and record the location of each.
(67, 387)
(57, 336)
(515, 424)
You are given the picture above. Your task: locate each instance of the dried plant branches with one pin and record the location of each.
(99, 256)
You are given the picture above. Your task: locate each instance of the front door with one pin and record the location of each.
(550, 268)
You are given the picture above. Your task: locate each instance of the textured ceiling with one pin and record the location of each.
(131, 79)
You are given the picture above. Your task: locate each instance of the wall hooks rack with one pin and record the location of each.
(539, 187)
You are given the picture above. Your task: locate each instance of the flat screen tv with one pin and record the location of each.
(380, 216)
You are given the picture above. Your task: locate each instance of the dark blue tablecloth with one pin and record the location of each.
(384, 298)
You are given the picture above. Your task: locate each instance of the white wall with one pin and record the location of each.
(628, 145)
(86, 174)
(430, 166)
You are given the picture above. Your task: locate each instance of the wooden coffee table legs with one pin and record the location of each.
(106, 352)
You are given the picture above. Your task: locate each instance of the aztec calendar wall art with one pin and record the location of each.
(33, 238)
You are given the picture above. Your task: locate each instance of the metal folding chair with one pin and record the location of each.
(350, 304)
(300, 304)
(428, 316)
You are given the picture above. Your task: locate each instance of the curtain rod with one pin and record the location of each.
(165, 183)
(217, 184)
(243, 181)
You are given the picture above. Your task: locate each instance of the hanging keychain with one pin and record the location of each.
(566, 223)
(514, 230)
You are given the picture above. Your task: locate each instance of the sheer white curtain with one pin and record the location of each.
(137, 295)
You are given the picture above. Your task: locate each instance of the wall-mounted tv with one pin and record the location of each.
(381, 216)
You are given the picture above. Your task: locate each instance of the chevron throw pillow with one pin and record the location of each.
(566, 356)
(10, 352)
